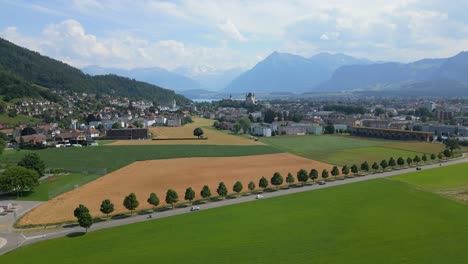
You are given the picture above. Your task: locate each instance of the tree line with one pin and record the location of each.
(131, 202)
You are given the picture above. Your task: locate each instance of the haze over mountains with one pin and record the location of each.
(181, 79)
(283, 72)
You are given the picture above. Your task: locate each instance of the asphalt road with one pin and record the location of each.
(16, 239)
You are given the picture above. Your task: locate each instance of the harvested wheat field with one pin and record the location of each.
(214, 137)
(158, 176)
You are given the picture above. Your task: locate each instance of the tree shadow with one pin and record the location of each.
(76, 234)
(199, 202)
(72, 225)
(162, 209)
(120, 216)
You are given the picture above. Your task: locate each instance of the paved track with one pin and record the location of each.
(15, 239)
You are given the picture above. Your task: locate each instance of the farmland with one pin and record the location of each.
(213, 137)
(365, 222)
(101, 160)
(160, 175)
(342, 150)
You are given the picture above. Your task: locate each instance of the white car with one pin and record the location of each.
(195, 208)
(258, 196)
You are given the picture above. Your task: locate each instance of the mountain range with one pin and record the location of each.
(282, 72)
(444, 72)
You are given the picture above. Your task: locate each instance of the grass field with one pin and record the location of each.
(358, 155)
(342, 150)
(446, 177)
(57, 185)
(376, 221)
(101, 160)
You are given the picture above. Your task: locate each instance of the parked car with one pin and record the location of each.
(322, 182)
(258, 196)
(195, 208)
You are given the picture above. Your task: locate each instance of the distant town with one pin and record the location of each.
(83, 118)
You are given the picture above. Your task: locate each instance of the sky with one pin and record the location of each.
(216, 35)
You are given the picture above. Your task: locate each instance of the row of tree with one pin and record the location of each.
(131, 202)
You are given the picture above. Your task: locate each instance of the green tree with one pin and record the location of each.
(384, 164)
(263, 183)
(440, 156)
(269, 116)
(85, 221)
(365, 166)
(251, 186)
(345, 170)
(335, 171)
(222, 189)
(276, 179)
(107, 207)
(244, 124)
(131, 203)
(354, 169)
(375, 166)
(116, 125)
(433, 156)
(452, 144)
(189, 194)
(290, 178)
(329, 129)
(153, 199)
(409, 160)
(302, 176)
(80, 210)
(392, 162)
(417, 159)
(447, 153)
(313, 175)
(198, 132)
(32, 161)
(424, 158)
(324, 174)
(172, 197)
(237, 187)
(205, 192)
(18, 179)
(400, 162)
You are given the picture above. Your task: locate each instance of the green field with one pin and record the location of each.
(56, 185)
(101, 160)
(340, 150)
(307, 144)
(359, 155)
(376, 221)
(445, 177)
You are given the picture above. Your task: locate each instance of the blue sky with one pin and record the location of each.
(214, 35)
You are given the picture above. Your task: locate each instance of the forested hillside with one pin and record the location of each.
(20, 67)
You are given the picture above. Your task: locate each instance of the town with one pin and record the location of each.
(88, 117)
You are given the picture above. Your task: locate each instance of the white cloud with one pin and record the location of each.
(231, 30)
(68, 41)
(195, 33)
